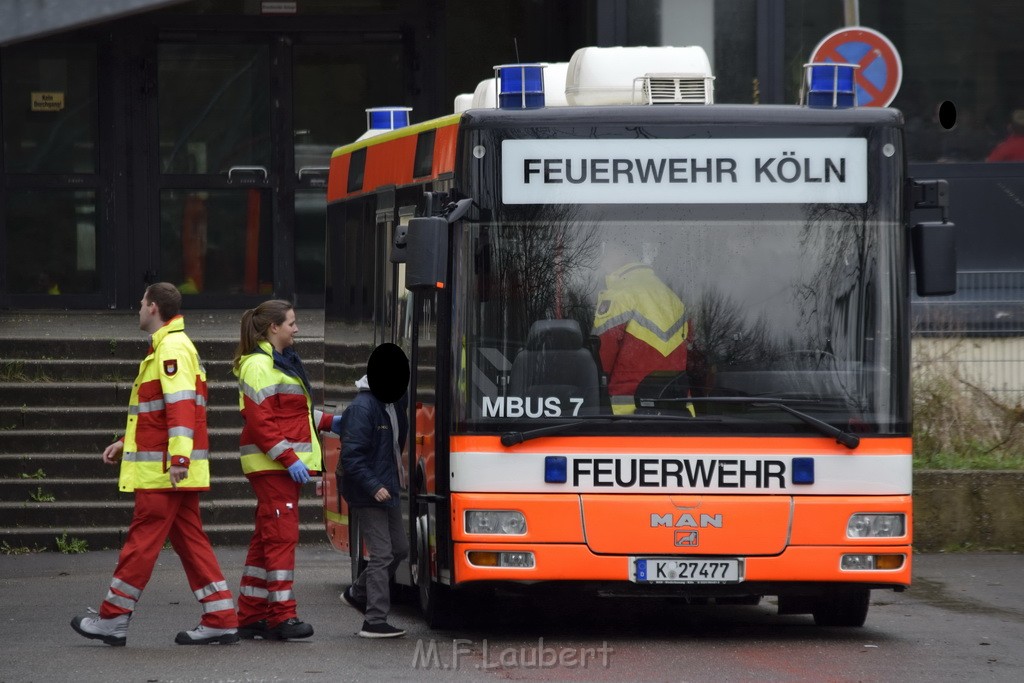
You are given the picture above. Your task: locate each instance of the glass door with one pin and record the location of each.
(246, 132)
(51, 184)
(215, 179)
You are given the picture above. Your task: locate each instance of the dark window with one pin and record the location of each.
(424, 163)
(356, 167)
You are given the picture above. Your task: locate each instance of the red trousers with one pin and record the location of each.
(266, 589)
(174, 515)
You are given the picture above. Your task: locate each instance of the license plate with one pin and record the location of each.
(687, 570)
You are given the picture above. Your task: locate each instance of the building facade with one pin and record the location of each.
(189, 141)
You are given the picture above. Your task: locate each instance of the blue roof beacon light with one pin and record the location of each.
(830, 85)
(387, 118)
(520, 86)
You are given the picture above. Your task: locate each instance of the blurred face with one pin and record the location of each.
(282, 336)
(149, 316)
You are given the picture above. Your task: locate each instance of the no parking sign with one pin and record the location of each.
(881, 71)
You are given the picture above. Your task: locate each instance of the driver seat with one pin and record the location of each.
(554, 363)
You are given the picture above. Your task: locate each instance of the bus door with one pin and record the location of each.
(429, 324)
(361, 314)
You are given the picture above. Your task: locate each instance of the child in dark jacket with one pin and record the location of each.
(372, 477)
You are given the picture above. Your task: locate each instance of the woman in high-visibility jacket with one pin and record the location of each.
(279, 450)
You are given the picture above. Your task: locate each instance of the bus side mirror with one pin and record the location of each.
(427, 257)
(398, 246)
(934, 248)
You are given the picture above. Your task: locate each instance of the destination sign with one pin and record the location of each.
(721, 171)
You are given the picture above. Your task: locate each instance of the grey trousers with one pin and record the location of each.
(383, 531)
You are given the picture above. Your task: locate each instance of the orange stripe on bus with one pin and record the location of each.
(444, 150)
(674, 444)
(390, 162)
(337, 180)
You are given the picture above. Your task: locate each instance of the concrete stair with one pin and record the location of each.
(62, 401)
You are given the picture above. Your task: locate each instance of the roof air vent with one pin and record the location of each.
(673, 89)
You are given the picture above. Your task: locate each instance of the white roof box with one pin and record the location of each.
(463, 102)
(554, 84)
(485, 97)
(639, 75)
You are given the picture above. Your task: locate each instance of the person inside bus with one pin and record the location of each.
(640, 322)
(1012, 147)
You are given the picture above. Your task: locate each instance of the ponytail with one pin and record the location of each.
(254, 326)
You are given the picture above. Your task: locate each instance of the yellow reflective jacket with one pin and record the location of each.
(281, 425)
(167, 416)
(643, 328)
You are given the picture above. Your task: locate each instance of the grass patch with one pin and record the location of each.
(16, 371)
(72, 546)
(8, 549)
(41, 496)
(958, 425)
(13, 371)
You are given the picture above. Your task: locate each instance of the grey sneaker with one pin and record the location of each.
(110, 631)
(204, 635)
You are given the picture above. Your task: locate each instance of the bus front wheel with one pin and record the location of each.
(842, 606)
(436, 601)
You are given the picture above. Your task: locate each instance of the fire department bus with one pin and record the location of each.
(763, 445)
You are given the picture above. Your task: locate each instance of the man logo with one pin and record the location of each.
(687, 520)
(685, 538)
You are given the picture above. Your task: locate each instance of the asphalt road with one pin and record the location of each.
(962, 620)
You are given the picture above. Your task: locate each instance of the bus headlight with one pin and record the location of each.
(509, 522)
(871, 562)
(864, 525)
(490, 558)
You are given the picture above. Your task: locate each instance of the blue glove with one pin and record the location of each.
(336, 425)
(299, 472)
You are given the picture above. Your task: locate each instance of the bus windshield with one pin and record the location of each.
(656, 319)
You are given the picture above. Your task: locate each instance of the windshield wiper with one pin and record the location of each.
(851, 441)
(513, 438)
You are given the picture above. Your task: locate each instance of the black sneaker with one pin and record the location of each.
(292, 628)
(350, 600)
(257, 629)
(381, 630)
(205, 635)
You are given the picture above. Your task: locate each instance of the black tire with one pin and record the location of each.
(436, 600)
(847, 607)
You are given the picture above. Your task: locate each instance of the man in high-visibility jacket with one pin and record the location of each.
(642, 327)
(164, 458)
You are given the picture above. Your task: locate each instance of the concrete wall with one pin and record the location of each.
(968, 510)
